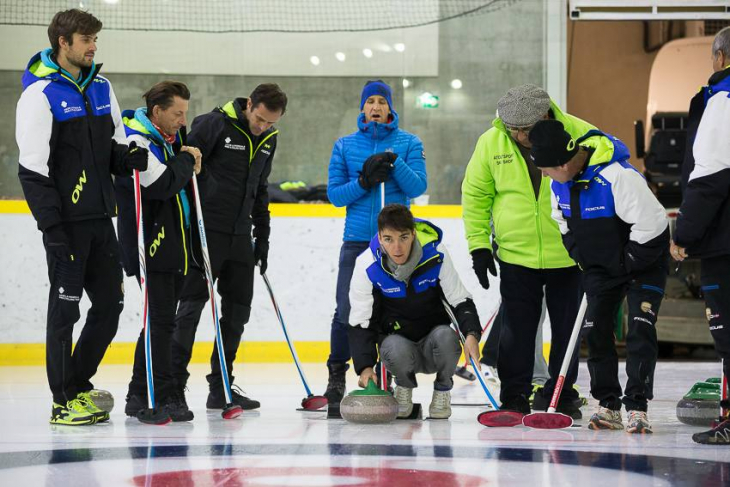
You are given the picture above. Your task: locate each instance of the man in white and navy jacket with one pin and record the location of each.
(396, 305)
(703, 224)
(616, 230)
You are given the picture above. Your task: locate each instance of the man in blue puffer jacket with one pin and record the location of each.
(378, 152)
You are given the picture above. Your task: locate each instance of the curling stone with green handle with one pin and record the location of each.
(369, 406)
(701, 405)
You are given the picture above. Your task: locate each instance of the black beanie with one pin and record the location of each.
(552, 146)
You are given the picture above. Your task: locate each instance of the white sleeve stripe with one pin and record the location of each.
(635, 203)
(557, 213)
(711, 147)
(451, 285)
(154, 167)
(33, 127)
(119, 134)
(361, 292)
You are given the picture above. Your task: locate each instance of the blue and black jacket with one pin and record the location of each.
(168, 208)
(382, 305)
(703, 224)
(71, 140)
(612, 224)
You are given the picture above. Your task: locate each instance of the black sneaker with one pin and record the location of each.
(719, 435)
(177, 408)
(518, 403)
(217, 399)
(135, 403)
(336, 385)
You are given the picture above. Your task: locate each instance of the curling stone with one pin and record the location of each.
(103, 399)
(701, 405)
(369, 406)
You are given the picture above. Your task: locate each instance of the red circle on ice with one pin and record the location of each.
(309, 476)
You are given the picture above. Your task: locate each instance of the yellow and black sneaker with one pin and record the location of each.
(73, 413)
(85, 399)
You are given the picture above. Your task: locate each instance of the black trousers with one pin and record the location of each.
(644, 295)
(715, 281)
(96, 269)
(522, 295)
(232, 263)
(163, 291)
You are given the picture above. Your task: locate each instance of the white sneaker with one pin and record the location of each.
(404, 398)
(440, 407)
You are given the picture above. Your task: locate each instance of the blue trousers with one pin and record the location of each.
(339, 346)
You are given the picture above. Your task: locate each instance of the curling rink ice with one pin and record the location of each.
(280, 446)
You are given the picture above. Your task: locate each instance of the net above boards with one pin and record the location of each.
(221, 16)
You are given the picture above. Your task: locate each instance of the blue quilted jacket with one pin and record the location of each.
(407, 179)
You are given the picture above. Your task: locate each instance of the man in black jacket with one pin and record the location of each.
(167, 211)
(71, 140)
(238, 141)
(703, 224)
(396, 304)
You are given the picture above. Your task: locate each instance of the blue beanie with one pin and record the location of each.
(377, 87)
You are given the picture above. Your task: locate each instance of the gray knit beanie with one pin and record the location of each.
(523, 106)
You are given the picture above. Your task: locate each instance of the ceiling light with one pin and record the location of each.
(406, 83)
(314, 60)
(367, 53)
(456, 84)
(340, 56)
(399, 46)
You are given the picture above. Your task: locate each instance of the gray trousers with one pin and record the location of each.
(437, 353)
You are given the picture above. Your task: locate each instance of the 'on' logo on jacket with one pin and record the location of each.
(157, 242)
(76, 195)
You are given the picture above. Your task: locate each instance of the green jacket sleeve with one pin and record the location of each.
(477, 197)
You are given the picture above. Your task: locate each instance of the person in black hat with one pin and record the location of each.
(617, 231)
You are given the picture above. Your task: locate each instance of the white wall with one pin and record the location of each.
(302, 270)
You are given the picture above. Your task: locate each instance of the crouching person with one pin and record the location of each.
(396, 306)
(617, 231)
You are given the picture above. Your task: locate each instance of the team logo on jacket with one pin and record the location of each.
(228, 145)
(68, 109)
(646, 306)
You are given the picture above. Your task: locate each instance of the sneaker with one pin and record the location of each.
(100, 414)
(638, 423)
(719, 435)
(336, 385)
(440, 407)
(177, 408)
(73, 413)
(135, 403)
(519, 404)
(404, 397)
(606, 419)
(217, 399)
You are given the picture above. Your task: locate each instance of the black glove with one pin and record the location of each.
(376, 169)
(261, 254)
(135, 158)
(57, 243)
(483, 262)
